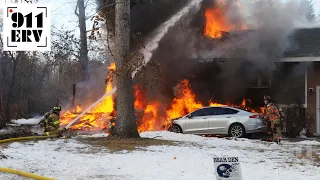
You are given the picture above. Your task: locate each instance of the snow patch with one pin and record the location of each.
(31, 121)
(100, 135)
(308, 142)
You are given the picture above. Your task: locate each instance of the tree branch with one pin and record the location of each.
(75, 11)
(108, 43)
(85, 6)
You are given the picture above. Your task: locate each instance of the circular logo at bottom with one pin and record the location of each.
(224, 170)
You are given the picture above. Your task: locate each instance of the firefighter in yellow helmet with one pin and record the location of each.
(273, 115)
(50, 123)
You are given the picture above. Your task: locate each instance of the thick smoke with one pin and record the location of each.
(244, 54)
(271, 23)
(89, 91)
(269, 26)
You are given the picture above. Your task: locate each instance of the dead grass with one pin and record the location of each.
(117, 144)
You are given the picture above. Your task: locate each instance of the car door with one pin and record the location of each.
(220, 119)
(197, 122)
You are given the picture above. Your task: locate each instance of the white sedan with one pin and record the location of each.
(219, 120)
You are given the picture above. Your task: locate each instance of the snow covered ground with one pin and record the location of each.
(191, 159)
(31, 121)
(17, 123)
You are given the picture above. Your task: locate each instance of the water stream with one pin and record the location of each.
(158, 34)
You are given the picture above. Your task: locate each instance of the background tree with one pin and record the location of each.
(83, 39)
(31, 82)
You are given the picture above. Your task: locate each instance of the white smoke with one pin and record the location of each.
(153, 42)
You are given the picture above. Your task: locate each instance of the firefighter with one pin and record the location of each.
(50, 123)
(272, 114)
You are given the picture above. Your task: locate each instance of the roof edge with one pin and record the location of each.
(300, 59)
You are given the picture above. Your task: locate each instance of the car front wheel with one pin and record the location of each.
(237, 130)
(175, 128)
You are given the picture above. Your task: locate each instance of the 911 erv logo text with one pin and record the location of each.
(24, 35)
(27, 27)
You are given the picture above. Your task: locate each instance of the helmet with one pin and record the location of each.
(57, 108)
(268, 98)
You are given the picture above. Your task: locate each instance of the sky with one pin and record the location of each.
(63, 16)
(63, 12)
(316, 6)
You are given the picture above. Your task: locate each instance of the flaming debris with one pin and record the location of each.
(99, 116)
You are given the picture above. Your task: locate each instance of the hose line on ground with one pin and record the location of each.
(25, 174)
(26, 138)
(21, 173)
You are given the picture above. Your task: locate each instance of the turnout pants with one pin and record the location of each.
(276, 129)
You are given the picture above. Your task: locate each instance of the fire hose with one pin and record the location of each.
(26, 138)
(25, 174)
(21, 173)
(89, 108)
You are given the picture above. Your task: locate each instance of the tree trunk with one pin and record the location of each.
(3, 65)
(83, 40)
(2, 119)
(126, 126)
(13, 79)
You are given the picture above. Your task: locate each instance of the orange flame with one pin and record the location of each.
(244, 102)
(217, 22)
(139, 98)
(98, 116)
(149, 118)
(215, 104)
(78, 109)
(148, 113)
(107, 105)
(184, 103)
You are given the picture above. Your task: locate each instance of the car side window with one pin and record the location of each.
(232, 111)
(213, 111)
(200, 112)
(219, 111)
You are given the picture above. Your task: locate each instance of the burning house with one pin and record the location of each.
(213, 56)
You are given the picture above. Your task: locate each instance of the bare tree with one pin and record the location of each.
(14, 60)
(83, 39)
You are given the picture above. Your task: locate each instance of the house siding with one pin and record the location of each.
(288, 84)
(313, 82)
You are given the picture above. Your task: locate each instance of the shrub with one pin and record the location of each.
(296, 119)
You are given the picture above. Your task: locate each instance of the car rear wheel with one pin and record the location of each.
(175, 128)
(237, 130)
